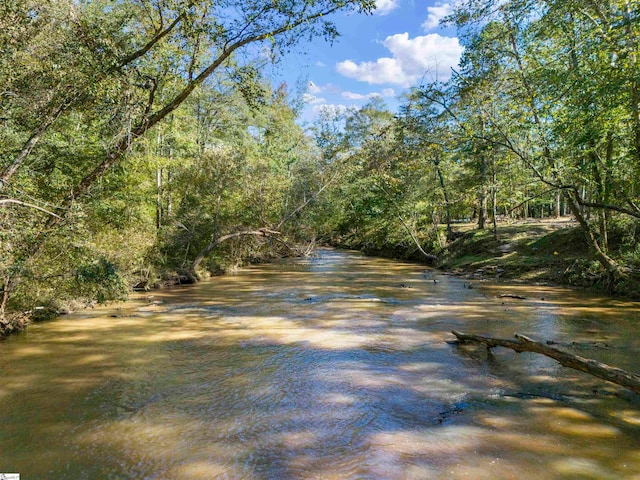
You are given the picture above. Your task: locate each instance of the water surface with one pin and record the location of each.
(330, 367)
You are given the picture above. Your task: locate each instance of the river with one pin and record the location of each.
(331, 367)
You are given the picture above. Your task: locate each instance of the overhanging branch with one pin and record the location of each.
(4, 201)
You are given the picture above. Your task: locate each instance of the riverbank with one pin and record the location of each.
(143, 281)
(549, 252)
(536, 251)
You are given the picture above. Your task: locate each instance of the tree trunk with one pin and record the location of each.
(482, 195)
(5, 298)
(482, 208)
(494, 204)
(573, 197)
(169, 193)
(447, 205)
(634, 94)
(432, 259)
(524, 344)
(159, 198)
(607, 262)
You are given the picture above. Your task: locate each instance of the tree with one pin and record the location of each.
(552, 58)
(129, 66)
(427, 131)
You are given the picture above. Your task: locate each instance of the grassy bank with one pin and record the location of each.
(550, 251)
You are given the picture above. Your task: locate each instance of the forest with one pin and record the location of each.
(142, 143)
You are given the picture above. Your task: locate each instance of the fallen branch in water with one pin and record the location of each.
(511, 295)
(524, 344)
(579, 344)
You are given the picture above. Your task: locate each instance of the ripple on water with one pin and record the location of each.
(331, 367)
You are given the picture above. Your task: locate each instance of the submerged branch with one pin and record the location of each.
(524, 344)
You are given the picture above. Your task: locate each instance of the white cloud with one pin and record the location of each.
(354, 96)
(312, 99)
(432, 55)
(384, 7)
(436, 13)
(315, 89)
(320, 64)
(387, 92)
(330, 109)
(383, 70)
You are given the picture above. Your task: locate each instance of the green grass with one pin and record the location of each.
(539, 252)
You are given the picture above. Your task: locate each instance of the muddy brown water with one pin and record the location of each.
(333, 367)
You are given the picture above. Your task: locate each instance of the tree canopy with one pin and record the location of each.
(141, 142)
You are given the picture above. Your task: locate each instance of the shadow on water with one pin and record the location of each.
(332, 367)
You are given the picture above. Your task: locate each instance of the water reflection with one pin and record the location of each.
(332, 367)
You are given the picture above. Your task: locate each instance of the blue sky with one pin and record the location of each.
(399, 46)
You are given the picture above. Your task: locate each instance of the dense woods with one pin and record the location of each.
(142, 144)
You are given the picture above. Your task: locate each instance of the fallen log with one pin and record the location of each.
(512, 295)
(579, 344)
(524, 344)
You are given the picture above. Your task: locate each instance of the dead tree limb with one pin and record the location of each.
(432, 259)
(4, 201)
(261, 232)
(523, 344)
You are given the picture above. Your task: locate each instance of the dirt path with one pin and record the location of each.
(531, 250)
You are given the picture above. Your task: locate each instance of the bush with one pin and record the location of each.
(101, 281)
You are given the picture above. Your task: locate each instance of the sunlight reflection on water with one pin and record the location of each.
(330, 367)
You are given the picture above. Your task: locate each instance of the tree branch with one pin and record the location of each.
(4, 201)
(70, 100)
(525, 344)
(607, 206)
(34, 138)
(432, 258)
(262, 232)
(307, 202)
(151, 43)
(532, 198)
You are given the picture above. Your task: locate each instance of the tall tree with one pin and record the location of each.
(560, 98)
(85, 81)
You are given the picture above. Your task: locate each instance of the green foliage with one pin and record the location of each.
(542, 118)
(131, 131)
(100, 280)
(257, 170)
